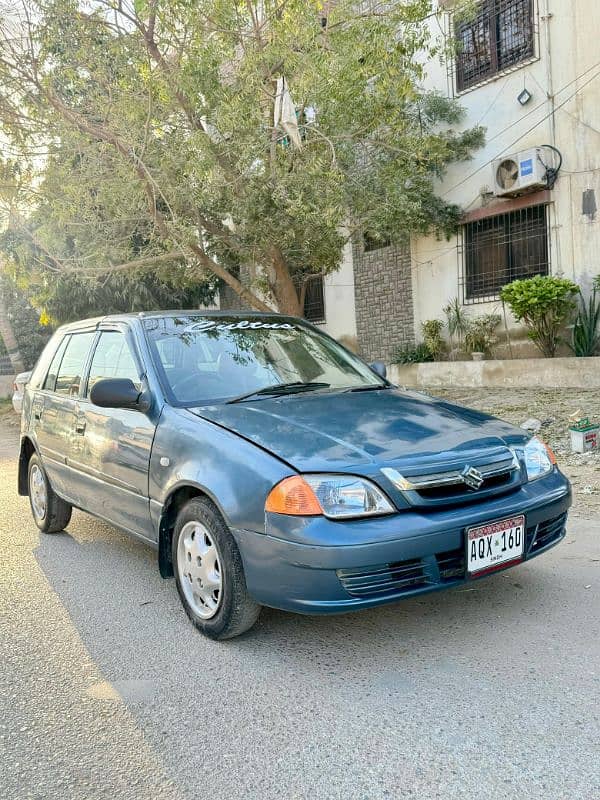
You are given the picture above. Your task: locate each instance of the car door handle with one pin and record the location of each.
(37, 407)
(80, 426)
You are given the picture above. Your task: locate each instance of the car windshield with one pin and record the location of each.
(204, 360)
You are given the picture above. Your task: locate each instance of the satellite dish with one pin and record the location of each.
(507, 174)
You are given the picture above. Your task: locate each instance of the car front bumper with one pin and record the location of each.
(315, 565)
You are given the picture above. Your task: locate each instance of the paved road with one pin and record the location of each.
(106, 691)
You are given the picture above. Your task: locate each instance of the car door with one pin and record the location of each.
(54, 410)
(112, 450)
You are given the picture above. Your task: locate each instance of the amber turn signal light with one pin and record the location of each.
(551, 455)
(293, 496)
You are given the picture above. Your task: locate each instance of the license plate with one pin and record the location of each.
(492, 546)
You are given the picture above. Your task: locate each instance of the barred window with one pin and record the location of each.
(371, 243)
(500, 36)
(501, 249)
(314, 299)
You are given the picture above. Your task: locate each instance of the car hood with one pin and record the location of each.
(338, 431)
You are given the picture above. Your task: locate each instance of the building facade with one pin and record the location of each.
(529, 72)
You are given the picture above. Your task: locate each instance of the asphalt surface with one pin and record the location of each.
(106, 691)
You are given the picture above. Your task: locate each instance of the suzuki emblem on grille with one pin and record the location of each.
(472, 477)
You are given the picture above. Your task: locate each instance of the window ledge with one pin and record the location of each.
(505, 206)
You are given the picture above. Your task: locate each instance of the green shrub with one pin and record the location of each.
(585, 330)
(544, 304)
(432, 337)
(457, 320)
(480, 335)
(412, 355)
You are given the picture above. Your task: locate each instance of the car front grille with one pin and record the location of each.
(451, 565)
(500, 472)
(405, 577)
(459, 490)
(547, 533)
(395, 578)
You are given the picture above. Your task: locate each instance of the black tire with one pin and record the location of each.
(237, 611)
(57, 513)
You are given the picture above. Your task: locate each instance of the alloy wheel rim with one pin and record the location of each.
(39, 493)
(199, 569)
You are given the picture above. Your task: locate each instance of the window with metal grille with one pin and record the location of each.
(371, 243)
(501, 249)
(500, 36)
(314, 299)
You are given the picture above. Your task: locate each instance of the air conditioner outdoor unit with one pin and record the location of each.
(519, 173)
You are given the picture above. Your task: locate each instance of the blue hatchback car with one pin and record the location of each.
(270, 466)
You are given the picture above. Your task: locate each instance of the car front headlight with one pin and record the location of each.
(335, 496)
(539, 459)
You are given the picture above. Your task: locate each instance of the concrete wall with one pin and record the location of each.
(384, 301)
(565, 69)
(6, 385)
(340, 315)
(545, 373)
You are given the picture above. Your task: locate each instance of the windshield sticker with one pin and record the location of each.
(243, 324)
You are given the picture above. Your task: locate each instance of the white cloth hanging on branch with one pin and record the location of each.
(285, 113)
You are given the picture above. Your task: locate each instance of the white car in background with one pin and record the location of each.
(18, 388)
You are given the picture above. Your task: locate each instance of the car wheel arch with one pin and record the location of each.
(28, 449)
(176, 499)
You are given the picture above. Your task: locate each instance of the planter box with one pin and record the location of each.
(545, 373)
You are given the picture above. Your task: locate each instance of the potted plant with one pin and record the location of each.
(480, 335)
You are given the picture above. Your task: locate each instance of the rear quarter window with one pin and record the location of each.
(50, 380)
(40, 370)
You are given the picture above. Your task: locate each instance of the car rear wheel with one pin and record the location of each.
(209, 572)
(50, 513)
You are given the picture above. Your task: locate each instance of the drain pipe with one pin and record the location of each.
(547, 18)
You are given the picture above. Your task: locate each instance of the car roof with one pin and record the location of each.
(94, 322)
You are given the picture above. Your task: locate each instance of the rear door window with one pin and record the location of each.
(72, 365)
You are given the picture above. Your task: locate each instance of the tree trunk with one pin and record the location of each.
(8, 336)
(283, 287)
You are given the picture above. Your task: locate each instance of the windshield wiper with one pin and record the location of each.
(369, 388)
(282, 388)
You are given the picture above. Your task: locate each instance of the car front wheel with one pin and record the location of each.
(50, 512)
(209, 572)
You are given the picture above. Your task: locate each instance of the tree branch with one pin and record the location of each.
(127, 154)
(161, 258)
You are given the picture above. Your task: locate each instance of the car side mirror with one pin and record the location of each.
(380, 368)
(118, 393)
